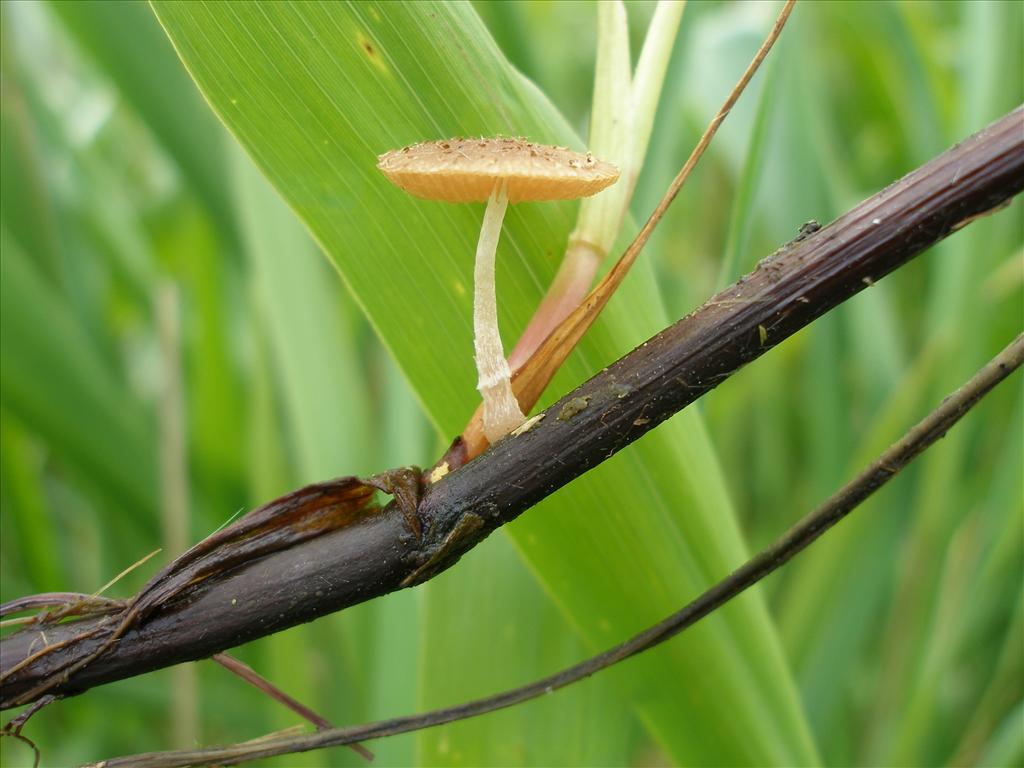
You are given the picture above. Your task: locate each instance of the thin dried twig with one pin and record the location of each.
(260, 683)
(13, 729)
(795, 540)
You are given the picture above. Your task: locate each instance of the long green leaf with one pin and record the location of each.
(314, 92)
(478, 643)
(45, 355)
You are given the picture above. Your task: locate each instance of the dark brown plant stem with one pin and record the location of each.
(795, 540)
(328, 546)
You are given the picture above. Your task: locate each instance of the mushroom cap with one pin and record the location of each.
(467, 170)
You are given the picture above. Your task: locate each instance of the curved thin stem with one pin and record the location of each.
(795, 540)
(260, 683)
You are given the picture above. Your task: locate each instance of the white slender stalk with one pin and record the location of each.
(501, 410)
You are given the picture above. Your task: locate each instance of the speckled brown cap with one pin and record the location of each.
(466, 170)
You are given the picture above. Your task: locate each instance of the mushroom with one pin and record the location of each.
(499, 171)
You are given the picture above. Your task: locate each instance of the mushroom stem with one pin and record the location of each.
(501, 410)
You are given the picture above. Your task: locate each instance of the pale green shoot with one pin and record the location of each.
(622, 116)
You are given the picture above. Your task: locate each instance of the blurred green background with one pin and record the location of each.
(144, 254)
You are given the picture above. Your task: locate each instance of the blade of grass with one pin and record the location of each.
(314, 110)
(517, 624)
(942, 494)
(45, 356)
(128, 44)
(37, 559)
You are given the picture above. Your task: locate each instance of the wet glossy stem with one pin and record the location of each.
(376, 555)
(501, 410)
(770, 559)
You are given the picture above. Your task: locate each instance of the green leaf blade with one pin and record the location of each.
(314, 92)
